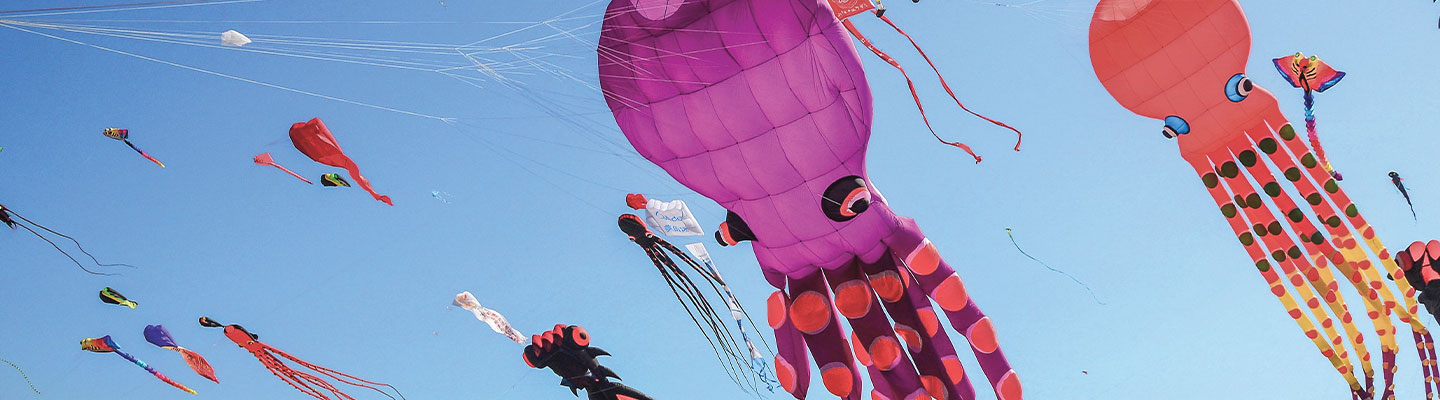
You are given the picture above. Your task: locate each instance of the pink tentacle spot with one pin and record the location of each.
(954, 370)
(1009, 387)
(838, 379)
(785, 373)
(982, 336)
(919, 394)
(929, 320)
(775, 310)
(935, 387)
(885, 351)
(888, 285)
(853, 299)
(924, 259)
(810, 312)
(950, 294)
(911, 337)
(861, 354)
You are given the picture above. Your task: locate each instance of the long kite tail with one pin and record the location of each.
(152, 371)
(147, 156)
(1047, 266)
(22, 375)
(72, 240)
(1314, 137)
(62, 251)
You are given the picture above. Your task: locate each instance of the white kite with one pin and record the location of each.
(497, 322)
(669, 218)
(233, 38)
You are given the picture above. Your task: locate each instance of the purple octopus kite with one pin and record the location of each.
(762, 106)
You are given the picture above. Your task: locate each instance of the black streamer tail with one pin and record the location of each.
(72, 240)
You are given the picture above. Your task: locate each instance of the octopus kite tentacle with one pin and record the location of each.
(302, 381)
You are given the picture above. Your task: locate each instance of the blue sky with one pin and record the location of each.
(338, 279)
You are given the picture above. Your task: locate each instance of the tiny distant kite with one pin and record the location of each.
(1399, 184)
(111, 296)
(692, 297)
(233, 39)
(1047, 266)
(304, 382)
(266, 159)
(496, 321)
(442, 196)
(106, 345)
(314, 139)
(566, 351)
(22, 375)
(157, 335)
(671, 218)
(1314, 76)
(333, 179)
(124, 136)
(7, 216)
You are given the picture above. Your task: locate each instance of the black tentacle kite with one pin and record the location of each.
(566, 351)
(6, 215)
(728, 350)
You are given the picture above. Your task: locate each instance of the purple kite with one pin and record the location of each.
(763, 106)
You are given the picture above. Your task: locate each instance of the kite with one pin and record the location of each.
(671, 218)
(1399, 184)
(496, 321)
(1314, 76)
(266, 159)
(844, 9)
(124, 136)
(157, 335)
(1047, 266)
(333, 179)
(693, 298)
(106, 345)
(566, 351)
(1191, 75)
(233, 38)
(1421, 263)
(312, 385)
(442, 196)
(111, 296)
(8, 215)
(758, 365)
(763, 107)
(22, 375)
(314, 139)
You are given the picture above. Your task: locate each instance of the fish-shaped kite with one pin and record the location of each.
(111, 296)
(157, 335)
(1400, 184)
(124, 136)
(314, 139)
(106, 345)
(496, 321)
(333, 179)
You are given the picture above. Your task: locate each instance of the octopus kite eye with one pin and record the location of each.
(1238, 88)
(1175, 126)
(845, 199)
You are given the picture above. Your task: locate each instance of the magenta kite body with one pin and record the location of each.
(763, 107)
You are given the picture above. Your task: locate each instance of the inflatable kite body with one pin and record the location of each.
(112, 296)
(566, 351)
(273, 359)
(314, 139)
(124, 136)
(763, 107)
(158, 336)
(1183, 62)
(106, 345)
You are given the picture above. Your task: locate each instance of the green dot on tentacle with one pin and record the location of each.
(1351, 211)
(1317, 238)
(1294, 252)
(1334, 221)
(1278, 255)
(1292, 174)
(1305, 238)
(1253, 200)
(1275, 228)
(1287, 132)
(1331, 186)
(1295, 215)
(1308, 160)
(1259, 230)
(1239, 200)
(1210, 180)
(1272, 189)
(1228, 210)
(1229, 169)
(1263, 265)
(1268, 145)
(1247, 158)
(1314, 199)
(1247, 239)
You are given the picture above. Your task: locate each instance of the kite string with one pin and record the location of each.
(77, 242)
(62, 251)
(1047, 266)
(22, 375)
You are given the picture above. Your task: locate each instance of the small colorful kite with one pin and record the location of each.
(304, 382)
(124, 136)
(496, 321)
(157, 335)
(1314, 76)
(671, 218)
(266, 159)
(314, 139)
(111, 296)
(333, 179)
(566, 351)
(106, 345)
(1399, 184)
(7, 216)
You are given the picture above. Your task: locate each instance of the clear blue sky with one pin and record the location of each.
(338, 279)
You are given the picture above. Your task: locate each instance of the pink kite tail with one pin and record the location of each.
(198, 363)
(1018, 135)
(292, 173)
(856, 32)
